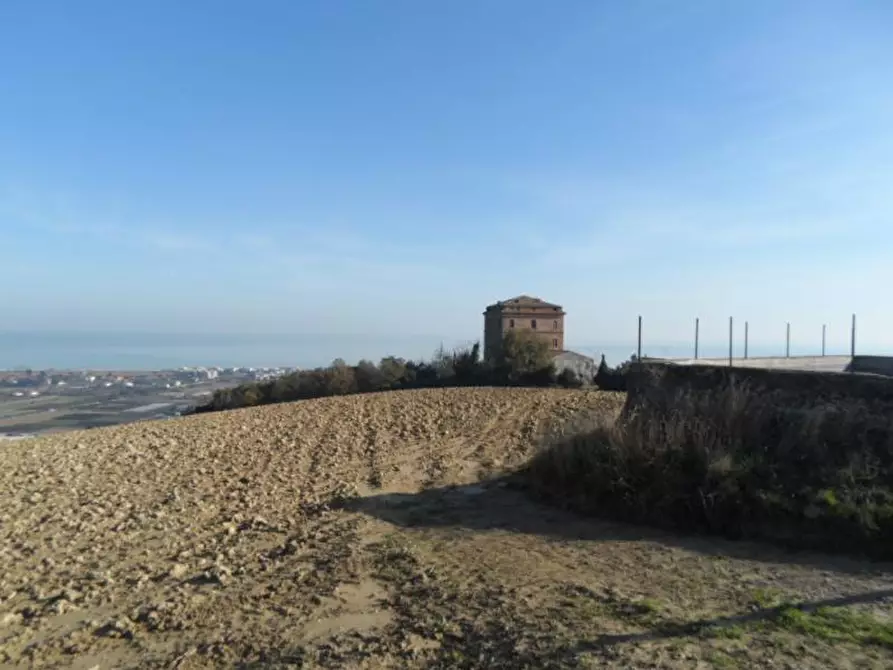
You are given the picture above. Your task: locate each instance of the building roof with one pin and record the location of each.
(567, 355)
(523, 301)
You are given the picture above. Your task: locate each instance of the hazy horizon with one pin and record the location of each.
(385, 169)
(146, 351)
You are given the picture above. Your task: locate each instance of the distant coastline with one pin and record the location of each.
(157, 351)
(20, 350)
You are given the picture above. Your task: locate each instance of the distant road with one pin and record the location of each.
(153, 407)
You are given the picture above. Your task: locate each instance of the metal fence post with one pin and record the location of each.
(853, 337)
(639, 348)
(823, 339)
(730, 341)
(697, 328)
(745, 339)
(787, 341)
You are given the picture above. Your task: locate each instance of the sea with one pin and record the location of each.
(155, 351)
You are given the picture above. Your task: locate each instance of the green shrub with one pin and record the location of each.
(611, 379)
(523, 358)
(393, 373)
(340, 378)
(568, 379)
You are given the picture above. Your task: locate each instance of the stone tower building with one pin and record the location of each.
(546, 319)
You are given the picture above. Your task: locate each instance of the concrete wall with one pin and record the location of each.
(664, 387)
(877, 365)
(803, 363)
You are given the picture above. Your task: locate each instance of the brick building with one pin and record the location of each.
(546, 319)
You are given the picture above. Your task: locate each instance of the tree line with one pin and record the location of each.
(522, 360)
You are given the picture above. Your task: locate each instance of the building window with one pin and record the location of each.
(533, 323)
(554, 344)
(554, 325)
(511, 323)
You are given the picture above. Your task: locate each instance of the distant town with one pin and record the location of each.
(34, 402)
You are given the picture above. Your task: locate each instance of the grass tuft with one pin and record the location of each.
(837, 624)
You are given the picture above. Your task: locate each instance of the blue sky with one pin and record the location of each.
(373, 167)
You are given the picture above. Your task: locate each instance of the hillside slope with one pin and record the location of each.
(353, 532)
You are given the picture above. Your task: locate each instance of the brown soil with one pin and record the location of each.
(374, 531)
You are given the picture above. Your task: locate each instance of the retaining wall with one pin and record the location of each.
(876, 365)
(661, 386)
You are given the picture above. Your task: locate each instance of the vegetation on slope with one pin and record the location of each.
(524, 360)
(738, 459)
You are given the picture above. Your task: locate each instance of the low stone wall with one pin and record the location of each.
(801, 363)
(659, 387)
(875, 365)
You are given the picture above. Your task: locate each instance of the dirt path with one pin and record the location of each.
(356, 533)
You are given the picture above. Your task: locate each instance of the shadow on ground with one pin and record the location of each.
(500, 506)
(503, 504)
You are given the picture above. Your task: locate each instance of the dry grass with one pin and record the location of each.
(736, 462)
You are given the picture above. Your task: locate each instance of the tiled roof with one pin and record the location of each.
(525, 300)
(573, 355)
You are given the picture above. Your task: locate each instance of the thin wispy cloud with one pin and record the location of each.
(298, 252)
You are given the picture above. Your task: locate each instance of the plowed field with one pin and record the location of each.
(380, 531)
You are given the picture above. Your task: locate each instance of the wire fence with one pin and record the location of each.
(731, 350)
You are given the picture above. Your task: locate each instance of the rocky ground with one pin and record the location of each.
(380, 531)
